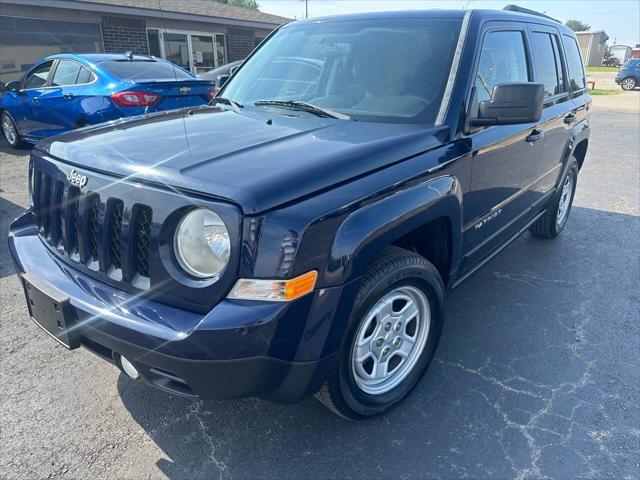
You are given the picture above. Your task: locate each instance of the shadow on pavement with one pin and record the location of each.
(521, 379)
(8, 212)
(17, 152)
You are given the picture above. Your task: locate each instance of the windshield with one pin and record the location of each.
(145, 70)
(387, 70)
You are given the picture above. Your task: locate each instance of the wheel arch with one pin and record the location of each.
(432, 208)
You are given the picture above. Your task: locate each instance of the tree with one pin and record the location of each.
(251, 4)
(577, 25)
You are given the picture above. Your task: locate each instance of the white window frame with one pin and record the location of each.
(188, 34)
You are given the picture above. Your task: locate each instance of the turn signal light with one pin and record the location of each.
(274, 290)
(131, 98)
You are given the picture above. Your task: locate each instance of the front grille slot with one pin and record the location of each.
(143, 218)
(92, 216)
(115, 214)
(74, 225)
(56, 225)
(105, 235)
(45, 204)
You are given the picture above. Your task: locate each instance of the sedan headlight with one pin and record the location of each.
(201, 244)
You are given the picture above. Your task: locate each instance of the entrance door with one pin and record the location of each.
(176, 49)
(203, 52)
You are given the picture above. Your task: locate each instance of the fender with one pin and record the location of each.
(365, 232)
(577, 134)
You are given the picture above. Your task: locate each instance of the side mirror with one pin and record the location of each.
(13, 86)
(222, 79)
(511, 103)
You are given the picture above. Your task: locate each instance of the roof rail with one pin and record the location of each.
(515, 8)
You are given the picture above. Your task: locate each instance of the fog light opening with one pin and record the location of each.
(128, 368)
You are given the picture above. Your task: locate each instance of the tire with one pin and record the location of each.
(555, 218)
(397, 276)
(628, 83)
(10, 131)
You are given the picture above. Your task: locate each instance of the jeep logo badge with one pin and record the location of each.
(77, 179)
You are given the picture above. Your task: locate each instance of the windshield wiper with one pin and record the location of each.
(227, 101)
(304, 106)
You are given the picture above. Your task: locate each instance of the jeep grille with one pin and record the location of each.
(89, 229)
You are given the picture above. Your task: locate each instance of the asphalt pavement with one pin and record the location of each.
(537, 374)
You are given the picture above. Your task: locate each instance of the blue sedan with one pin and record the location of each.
(67, 91)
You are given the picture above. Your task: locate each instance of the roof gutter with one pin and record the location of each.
(142, 12)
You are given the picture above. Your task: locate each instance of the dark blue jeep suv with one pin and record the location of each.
(299, 234)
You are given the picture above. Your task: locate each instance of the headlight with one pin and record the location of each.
(202, 244)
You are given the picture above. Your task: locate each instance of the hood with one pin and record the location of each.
(258, 158)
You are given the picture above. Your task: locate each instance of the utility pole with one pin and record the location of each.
(306, 8)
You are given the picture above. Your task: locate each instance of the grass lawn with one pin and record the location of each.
(604, 91)
(602, 69)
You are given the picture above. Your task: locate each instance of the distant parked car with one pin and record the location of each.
(629, 75)
(611, 62)
(67, 91)
(219, 75)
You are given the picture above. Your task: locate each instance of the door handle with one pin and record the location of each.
(68, 96)
(569, 119)
(534, 136)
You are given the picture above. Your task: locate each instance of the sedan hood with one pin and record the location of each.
(257, 158)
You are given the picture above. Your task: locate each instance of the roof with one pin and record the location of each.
(480, 14)
(201, 10)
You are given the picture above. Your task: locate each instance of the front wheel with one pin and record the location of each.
(10, 130)
(555, 218)
(628, 83)
(391, 338)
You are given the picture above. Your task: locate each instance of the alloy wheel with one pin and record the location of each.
(628, 84)
(565, 200)
(9, 130)
(390, 340)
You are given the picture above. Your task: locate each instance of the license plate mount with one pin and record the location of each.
(51, 310)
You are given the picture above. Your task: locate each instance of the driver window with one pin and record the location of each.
(38, 77)
(503, 59)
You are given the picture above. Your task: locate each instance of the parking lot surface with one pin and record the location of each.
(537, 374)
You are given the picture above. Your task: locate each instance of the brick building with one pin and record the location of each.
(197, 34)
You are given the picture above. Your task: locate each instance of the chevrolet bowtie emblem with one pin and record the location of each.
(185, 89)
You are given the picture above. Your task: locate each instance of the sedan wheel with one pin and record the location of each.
(9, 130)
(628, 83)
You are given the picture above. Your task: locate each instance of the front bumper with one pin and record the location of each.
(278, 351)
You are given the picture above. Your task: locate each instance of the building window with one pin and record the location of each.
(25, 40)
(221, 47)
(194, 51)
(154, 43)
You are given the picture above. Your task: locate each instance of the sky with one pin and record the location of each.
(620, 19)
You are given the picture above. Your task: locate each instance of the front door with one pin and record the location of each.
(30, 122)
(505, 157)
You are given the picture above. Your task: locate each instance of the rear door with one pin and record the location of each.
(505, 157)
(61, 106)
(576, 78)
(559, 112)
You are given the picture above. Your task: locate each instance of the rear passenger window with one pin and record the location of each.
(574, 64)
(85, 76)
(548, 65)
(503, 59)
(66, 73)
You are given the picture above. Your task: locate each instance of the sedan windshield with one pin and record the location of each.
(387, 70)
